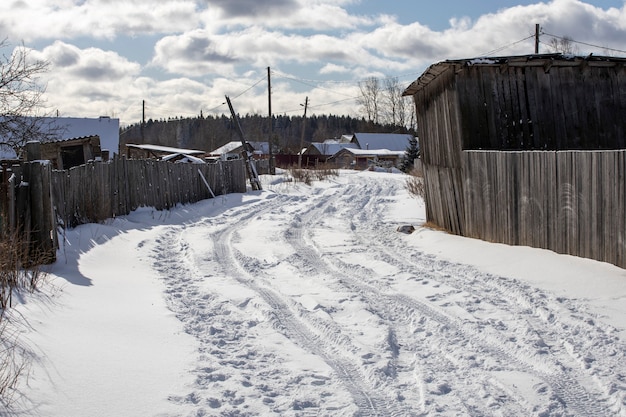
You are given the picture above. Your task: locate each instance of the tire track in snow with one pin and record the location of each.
(570, 394)
(543, 317)
(442, 339)
(367, 400)
(182, 276)
(397, 311)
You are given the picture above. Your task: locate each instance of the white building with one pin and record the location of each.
(107, 128)
(75, 127)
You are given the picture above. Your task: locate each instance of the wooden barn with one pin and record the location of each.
(527, 150)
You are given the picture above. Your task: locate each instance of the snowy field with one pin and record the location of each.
(305, 301)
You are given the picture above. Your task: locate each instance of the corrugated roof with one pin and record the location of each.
(390, 141)
(545, 60)
(327, 148)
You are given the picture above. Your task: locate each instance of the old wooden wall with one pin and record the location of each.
(98, 191)
(438, 121)
(571, 202)
(543, 105)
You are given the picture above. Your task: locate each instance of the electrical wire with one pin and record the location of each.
(584, 43)
(311, 85)
(507, 46)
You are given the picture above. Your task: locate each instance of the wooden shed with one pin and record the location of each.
(72, 152)
(527, 150)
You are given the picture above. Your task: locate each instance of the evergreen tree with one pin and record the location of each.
(411, 154)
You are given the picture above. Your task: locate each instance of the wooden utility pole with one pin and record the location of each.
(143, 119)
(537, 30)
(247, 156)
(269, 107)
(306, 103)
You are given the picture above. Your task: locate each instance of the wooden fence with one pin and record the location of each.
(35, 199)
(94, 192)
(571, 202)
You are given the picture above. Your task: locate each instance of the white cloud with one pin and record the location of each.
(334, 69)
(67, 19)
(213, 48)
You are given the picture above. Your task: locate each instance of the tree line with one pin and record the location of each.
(210, 132)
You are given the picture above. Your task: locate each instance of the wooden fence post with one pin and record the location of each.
(42, 221)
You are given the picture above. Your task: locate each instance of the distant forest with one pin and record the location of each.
(211, 132)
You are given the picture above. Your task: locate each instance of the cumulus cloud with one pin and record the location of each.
(79, 81)
(193, 54)
(104, 19)
(254, 8)
(192, 51)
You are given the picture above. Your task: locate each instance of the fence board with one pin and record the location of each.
(97, 191)
(571, 202)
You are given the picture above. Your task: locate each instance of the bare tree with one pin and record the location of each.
(370, 98)
(392, 98)
(20, 98)
(564, 45)
(397, 108)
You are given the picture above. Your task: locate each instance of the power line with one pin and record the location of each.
(507, 46)
(584, 43)
(304, 80)
(318, 105)
(311, 85)
(248, 89)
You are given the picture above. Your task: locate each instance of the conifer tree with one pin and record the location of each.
(411, 154)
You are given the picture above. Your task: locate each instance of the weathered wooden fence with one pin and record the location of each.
(571, 202)
(27, 218)
(98, 191)
(35, 199)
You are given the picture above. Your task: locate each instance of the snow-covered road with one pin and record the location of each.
(305, 301)
(313, 304)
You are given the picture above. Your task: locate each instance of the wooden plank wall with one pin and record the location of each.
(542, 105)
(571, 202)
(98, 191)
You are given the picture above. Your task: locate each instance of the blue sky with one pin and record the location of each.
(183, 56)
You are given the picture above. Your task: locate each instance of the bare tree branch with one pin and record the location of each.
(370, 98)
(20, 98)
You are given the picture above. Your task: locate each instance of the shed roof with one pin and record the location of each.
(165, 149)
(370, 153)
(329, 148)
(546, 60)
(390, 141)
(235, 146)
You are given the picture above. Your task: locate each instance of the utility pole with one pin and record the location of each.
(143, 119)
(537, 30)
(306, 103)
(247, 156)
(269, 107)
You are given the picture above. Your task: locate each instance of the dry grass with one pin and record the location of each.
(13, 366)
(433, 226)
(307, 176)
(415, 184)
(20, 270)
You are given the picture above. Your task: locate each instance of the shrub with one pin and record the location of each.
(13, 365)
(19, 270)
(307, 176)
(415, 183)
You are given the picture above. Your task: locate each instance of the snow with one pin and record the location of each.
(304, 300)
